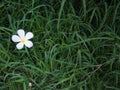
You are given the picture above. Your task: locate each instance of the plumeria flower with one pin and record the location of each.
(23, 39)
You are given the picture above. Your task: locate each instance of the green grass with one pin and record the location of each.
(76, 45)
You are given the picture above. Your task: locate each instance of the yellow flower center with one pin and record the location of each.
(22, 40)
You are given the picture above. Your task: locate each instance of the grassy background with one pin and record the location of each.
(76, 45)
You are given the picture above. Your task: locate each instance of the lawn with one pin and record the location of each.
(76, 45)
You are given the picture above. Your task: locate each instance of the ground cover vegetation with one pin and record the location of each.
(76, 45)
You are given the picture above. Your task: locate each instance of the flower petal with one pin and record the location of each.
(15, 38)
(29, 35)
(28, 44)
(19, 45)
(21, 33)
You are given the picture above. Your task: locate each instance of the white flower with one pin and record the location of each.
(30, 84)
(23, 39)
